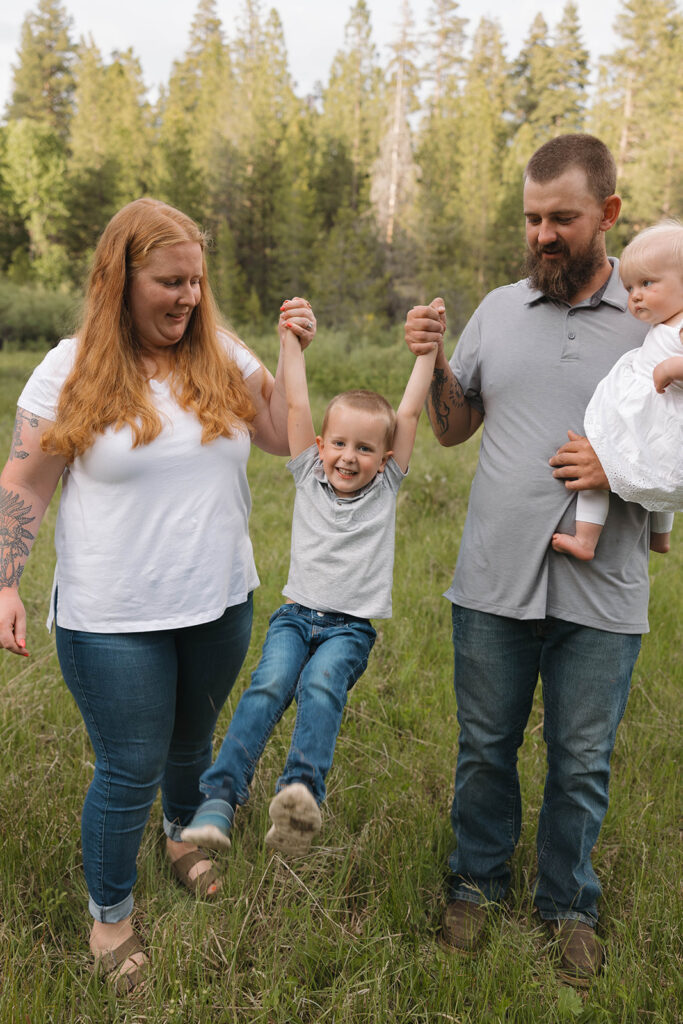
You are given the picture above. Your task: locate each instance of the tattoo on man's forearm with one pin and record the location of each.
(445, 395)
(17, 450)
(14, 549)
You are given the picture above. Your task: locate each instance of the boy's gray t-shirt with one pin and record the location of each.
(530, 365)
(342, 554)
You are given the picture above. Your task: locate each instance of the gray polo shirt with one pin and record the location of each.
(530, 366)
(342, 557)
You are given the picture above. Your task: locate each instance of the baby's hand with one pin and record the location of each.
(662, 377)
(297, 316)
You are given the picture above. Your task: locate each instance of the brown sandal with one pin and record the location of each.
(202, 883)
(106, 964)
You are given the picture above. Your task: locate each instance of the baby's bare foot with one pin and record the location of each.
(569, 545)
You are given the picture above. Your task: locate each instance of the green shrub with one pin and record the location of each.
(33, 317)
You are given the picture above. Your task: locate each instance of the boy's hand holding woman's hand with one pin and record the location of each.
(297, 316)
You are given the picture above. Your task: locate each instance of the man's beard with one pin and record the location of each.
(563, 279)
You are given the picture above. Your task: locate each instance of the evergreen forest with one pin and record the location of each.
(398, 179)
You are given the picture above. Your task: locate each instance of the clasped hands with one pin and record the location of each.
(297, 316)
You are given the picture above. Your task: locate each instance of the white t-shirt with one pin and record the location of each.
(153, 537)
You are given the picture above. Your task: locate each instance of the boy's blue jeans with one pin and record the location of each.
(315, 657)
(585, 675)
(149, 701)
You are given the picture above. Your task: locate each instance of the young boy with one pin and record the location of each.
(340, 577)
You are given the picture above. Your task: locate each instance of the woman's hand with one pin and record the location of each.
(297, 316)
(12, 622)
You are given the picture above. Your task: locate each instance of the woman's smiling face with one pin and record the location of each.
(163, 294)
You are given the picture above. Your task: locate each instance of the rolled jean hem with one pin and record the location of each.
(567, 915)
(470, 894)
(173, 830)
(110, 915)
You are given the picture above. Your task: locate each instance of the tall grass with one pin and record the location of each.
(348, 935)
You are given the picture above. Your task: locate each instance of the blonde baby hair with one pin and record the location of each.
(653, 249)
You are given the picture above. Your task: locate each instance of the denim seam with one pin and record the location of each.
(84, 698)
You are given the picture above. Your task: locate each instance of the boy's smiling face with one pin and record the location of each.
(353, 448)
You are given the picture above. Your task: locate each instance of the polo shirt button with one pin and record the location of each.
(571, 335)
(572, 312)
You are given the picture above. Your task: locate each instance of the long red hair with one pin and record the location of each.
(108, 385)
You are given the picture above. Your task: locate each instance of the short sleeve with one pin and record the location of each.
(393, 475)
(303, 464)
(465, 363)
(246, 361)
(43, 388)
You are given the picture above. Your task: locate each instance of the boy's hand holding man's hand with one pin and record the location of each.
(425, 326)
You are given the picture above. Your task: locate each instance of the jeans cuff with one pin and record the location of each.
(110, 915)
(173, 830)
(467, 893)
(567, 915)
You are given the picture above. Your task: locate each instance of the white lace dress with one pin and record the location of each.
(637, 433)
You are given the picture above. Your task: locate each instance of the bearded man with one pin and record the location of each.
(525, 366)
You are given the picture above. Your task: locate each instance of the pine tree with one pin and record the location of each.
(198, 115)
(437, 153)
(271, 231)
(14, 239)
(443, 67)
(393, 177)
(35, 172)
(572, 79)
(640, 112)
(482, 139)
(42, 82)
(351, 116)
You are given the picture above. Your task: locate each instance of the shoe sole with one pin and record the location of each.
(575, 980)
(448, 947)
(205, 835)
(296, 819)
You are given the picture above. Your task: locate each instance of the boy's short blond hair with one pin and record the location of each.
(365, 401)
(652, 250)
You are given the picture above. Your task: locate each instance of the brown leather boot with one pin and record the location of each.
(580, 951)
(462, 927)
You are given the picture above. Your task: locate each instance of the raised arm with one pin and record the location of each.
(268, 392)
(411, 406)
(451, 416)
(27, 483)
(300, 429)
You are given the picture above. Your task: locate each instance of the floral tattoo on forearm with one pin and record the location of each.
(445, 394)
(14, 549)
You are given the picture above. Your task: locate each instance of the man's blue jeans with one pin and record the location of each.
(585, 675)
(150, 703)
(314, 657)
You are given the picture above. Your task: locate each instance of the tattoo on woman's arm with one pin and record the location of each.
(17, 450)
(445, 395)
(14, 518)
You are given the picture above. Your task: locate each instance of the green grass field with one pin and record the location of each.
(348, 935)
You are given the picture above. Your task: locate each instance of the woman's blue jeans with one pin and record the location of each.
(149, 701)
(585, 675)
(314, 657)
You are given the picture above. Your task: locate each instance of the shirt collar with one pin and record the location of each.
(612, 292)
